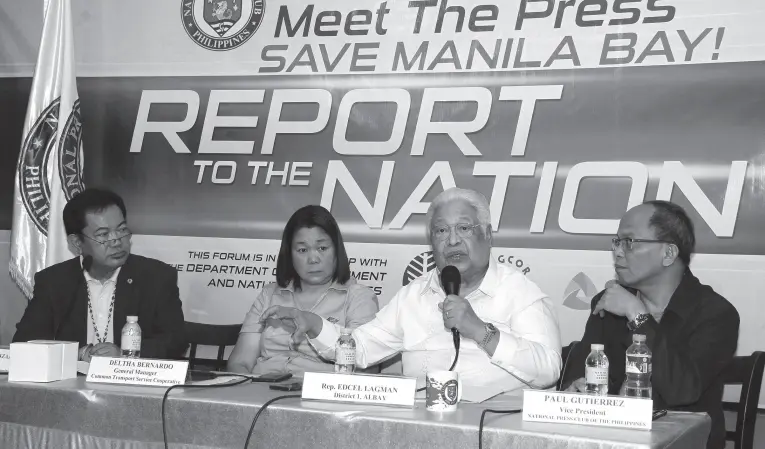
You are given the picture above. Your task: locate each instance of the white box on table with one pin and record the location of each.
(43, 361)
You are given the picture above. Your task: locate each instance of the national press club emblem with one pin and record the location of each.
(38, 145)
(221, 25)
(69, 154)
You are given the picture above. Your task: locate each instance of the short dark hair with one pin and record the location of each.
(672, 224)
(88, 201)
(310, 217)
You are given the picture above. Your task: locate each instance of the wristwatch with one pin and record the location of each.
(490, 331)
(639, 320)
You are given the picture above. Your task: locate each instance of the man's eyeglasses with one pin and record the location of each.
(463, 230)
(116, 236)
(627, 243)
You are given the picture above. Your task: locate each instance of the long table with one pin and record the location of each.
(77, 414)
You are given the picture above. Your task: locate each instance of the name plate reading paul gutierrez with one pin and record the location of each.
(160, 373)
(577, 408)
(360, 388)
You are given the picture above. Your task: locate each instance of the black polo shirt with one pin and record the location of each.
(693, 343)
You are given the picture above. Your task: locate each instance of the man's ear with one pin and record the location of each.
(75, 244)
(488, 234)
(671, 252)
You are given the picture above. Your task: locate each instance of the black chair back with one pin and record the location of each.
(747, 372)
(211, 335)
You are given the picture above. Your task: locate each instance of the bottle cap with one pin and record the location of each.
(639, 338)
(132, 319)
(346, 331)
(596, 347)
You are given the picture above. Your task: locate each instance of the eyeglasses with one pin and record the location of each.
(463, 230)
(117, 236)
(627, 243)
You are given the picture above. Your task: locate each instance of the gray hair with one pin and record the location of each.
(473, 198)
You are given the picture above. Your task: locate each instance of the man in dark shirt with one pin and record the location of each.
(691, 330)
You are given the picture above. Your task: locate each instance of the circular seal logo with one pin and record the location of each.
(70, 163)
(421, 264)
(449, 391)
(221, 25)
(32, 167)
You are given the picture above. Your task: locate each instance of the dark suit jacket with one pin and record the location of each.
(146, 288)
(694, 342)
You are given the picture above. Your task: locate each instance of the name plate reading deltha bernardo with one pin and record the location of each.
(5, 358)
(360, 388)
(577, 408)
(161, 373)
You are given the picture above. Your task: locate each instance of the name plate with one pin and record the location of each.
(5, 358)
(577, 408)
(360, 388)
(161, 373)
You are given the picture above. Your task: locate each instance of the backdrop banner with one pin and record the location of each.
(217, 120)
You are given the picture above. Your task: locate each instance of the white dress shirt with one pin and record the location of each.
(100, 299)
(529, 340)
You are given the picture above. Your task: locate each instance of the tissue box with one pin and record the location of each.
(43, 361)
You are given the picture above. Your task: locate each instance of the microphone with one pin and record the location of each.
(87, 261)
(450, 281)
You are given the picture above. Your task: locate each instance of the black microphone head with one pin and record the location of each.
(87, 261)
(450, 280)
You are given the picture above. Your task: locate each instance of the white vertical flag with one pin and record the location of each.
(49, 169)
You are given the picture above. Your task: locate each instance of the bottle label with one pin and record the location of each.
(345, 356)
(131, 342)
(596, 375)
(638, 364)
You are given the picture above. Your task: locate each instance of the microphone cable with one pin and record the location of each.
(513, 411)
(483, 415)
(565, 365)
(456, 338)
(450, 280)
(510, 411)
(167, 392)
(262, 409)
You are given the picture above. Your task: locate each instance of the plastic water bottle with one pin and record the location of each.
(596, 371)
(638, 369)
(345, 352)
(131, 338)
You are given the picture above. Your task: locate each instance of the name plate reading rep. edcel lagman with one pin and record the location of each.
(161, 373)
(578, 408)
(360, 388)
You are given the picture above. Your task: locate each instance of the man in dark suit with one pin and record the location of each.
(88, 299)
(691, 330)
